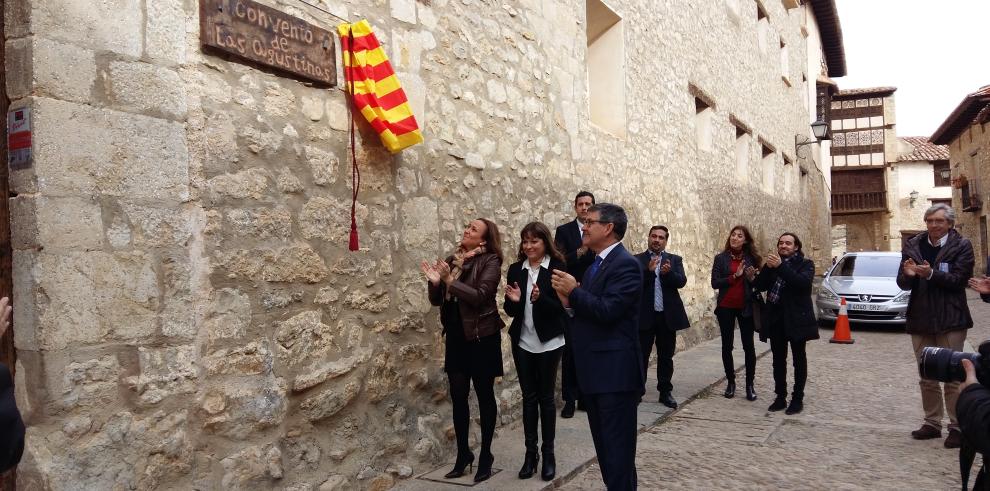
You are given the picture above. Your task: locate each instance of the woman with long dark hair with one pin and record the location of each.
(732, 273)
(464, 287)
(537, 333)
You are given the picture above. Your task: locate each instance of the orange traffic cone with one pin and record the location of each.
(841, 333)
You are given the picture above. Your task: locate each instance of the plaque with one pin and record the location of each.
(269, 37)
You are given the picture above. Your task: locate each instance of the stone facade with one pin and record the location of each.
(970, 157)
(914, 171)
(187, 315)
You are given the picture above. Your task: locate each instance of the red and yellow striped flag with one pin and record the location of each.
(375, 87)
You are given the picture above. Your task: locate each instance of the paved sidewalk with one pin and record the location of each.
(695, 371)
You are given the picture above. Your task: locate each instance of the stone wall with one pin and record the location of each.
(970, 156)
(187, 314)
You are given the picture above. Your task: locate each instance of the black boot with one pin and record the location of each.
(750, 392)
(529, 465)
(795, 406)
(730, 389)
(778, 404)
(549, 466)
(485, 462)
(463, 462)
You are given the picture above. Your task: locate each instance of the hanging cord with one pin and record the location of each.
(355, 172)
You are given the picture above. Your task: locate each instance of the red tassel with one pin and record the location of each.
(354, 235)
(348, 45)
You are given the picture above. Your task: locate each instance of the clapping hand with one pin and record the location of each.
(563, 284)
(535, 294)
(909, 268)
(741, 270)
(512, 292)
(751, 273)
(981, 285)
(773, 260)
(923, 270)
(653, 263)
(430, 272)
(970, 375)
(665, 267)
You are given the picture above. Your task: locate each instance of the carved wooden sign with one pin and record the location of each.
(264, 35)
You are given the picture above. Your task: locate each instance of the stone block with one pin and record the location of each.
(251, 183)
(375, 301)
(303, 338)
(337, 113)
(228, 317)
(165, 32)
(329, 219)
(146, 88)
(264, 223)
(112, 25)
(320, 372)
(95, 297)
(80, 150)
(40, 66)
(240, 410)
(420, 228)
(87, 383)
(286, 264)
(158, 226)
(164, 372)
(252, 467)
(69, 223)
(312, 108)
(26, 298)
(323, 165)
(329, 402)
(300, 452)
(403, 10)
(24, 222)
(253, 359)
(279, 100)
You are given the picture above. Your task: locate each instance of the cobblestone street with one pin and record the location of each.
(862, 402)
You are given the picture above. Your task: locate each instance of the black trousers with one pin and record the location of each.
(778, 347)
(612, 418)
(569, 390)
(726, 324)
(484, 388)
(666, 342)
(537, 379)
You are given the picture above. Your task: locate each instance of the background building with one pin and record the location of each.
(187, 314)
(967, 134)
(863, 141)
(918, 178)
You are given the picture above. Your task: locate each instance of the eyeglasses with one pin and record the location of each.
(589, 222)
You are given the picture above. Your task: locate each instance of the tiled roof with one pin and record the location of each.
(970, 110)
(866, 91)
(827, 18)
(924, 150)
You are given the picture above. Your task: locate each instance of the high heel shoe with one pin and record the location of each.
(529, 465)
(460, 465)
(750, 392)
(549, 466)
(730, 390)
(484, 467)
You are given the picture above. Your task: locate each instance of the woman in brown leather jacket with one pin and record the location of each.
(464, 288)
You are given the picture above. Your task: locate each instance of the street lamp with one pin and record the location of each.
(818, 128)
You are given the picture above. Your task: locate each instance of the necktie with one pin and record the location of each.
(657, 290)
(593, 269)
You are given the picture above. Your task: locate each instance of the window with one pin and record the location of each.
(769, 166)
(742, 154)
(762, 27)
(785, 64)
(703, 124)
(606, 68)
(940, 167)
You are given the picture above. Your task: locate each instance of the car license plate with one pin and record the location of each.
(865, 306)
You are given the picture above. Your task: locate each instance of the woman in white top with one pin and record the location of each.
(537, 333)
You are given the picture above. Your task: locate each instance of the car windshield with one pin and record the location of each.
(876, 266)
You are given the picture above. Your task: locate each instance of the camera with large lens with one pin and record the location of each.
(945, 365)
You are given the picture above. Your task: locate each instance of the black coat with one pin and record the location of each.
(673, 307)
(11, 426)
(722, 270)
(973, 412)
(568, 240)
(793, 316)
(939, 305)
(549, 317)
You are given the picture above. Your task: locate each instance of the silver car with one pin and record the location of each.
(868, 282)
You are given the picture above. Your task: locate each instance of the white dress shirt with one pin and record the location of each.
(528, 339)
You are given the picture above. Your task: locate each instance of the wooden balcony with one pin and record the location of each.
(849, 203)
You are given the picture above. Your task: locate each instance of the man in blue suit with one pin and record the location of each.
(605, 339)
(661, 311)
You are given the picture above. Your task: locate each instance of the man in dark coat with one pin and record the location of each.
(973, 409)
(661, 311)
(790, 321)
(936, 267)
(605, 336)
(568, 238)
(11, 426)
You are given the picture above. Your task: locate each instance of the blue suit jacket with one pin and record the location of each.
(605, 327)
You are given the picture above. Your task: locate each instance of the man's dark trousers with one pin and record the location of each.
(614, 414)
(666, 342)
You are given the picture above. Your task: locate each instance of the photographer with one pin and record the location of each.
(973, 411)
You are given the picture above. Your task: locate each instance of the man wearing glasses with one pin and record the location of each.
(605, 338)
(936, 266)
